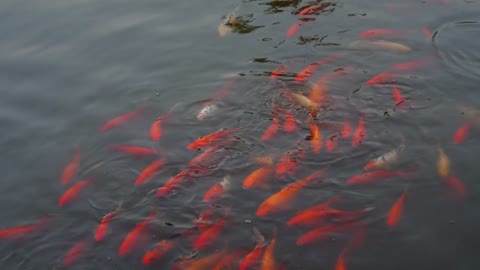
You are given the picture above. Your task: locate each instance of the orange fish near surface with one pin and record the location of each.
(74, 253)
(379, 33)
(209, 236)
(22, 230)
(290, 124)
(258, 178)
(177, 179)
(73, 192)
(156, 129)
(284, 199)
(102, 228)
(382, 78)
(410, 65)
(315, 137)
(331, 142)
(311, 217)
(229, 260)
(397, 96)
(71, 170)
(286, 165)
(268, 261)
(396, 211)
(120, 120)
(372, 177)
(321, 233)
(461, 133)
(218, 190)
(310, 69)
(292, 31)
(254, 256)
(205, 263)
(134, 150)
(158, 251)
(360, 132)
(210, 139)
(136, 237)
(341, 265)
(271, 130)
(149, 171)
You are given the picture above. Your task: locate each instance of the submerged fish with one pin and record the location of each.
(380, 44)
(385, 160)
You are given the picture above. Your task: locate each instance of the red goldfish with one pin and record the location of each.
(321, 233)
(74, 253)
(311, 10)
(279, 71)
(204, 219)
(177, 179)
(310, 69)
(22, 230)
(360, 132)
(384, 160)
(315, 137)
(209, 139)
(397, 96)
(271, 130)
(71, 170)
(293, 29)
(379, 33)
(209, 236)
(396, 211)
(341, 265)
(102, 228)
(73, 192)
(381, 78)
(258, 178)
(120, 120)
(372, 177)
(461, 133)
(149, 171)
(283, 200)
(134, 150)
(136, 237)
(158, 251)
(286, 165)
(290, 124)
(316, 215)
(156, 130)
(254, 256)
(217, 191)
(347, 130)
(410, 65)
(331, 142)
(268, 261)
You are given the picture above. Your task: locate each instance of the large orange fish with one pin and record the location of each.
(73, 192)
(254, 256)
(331, 142)
(211, 138)
(396, 211)
(158, 251)
(268, 261)
(411, 65)
(382, 78)
(134, 150)
(292, 31)
(372, 177)
(102, 228)
(315, 216)
(209, 236)
(21, 230)
(360, 132)
(149, 171)
(74, 253)
(136, 237)
(284, 199)
(310, 69)
(271, 130)
(461, 133)
(379, 33)
(156, 129)
(218, 190)
(71, 170)
(315, 137)
(120, 120)
(312, 10)
(259, 178)
(319, 90)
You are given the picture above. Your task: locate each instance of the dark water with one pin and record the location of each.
(66, 67)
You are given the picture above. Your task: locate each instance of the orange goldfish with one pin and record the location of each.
(315, 215)
(120, 120)
(321, 233)
(397, 96)
(443, 163)
(284, 199)
(290, 124)
(217, 191)
(74, 253)
(149, 171)
(461, 133)
(134, 150)
(380, 44)
(229, 260)
(396, 211)
(209, 236)
(271, 130)
(360, 132)
(457, 185)
(315, 137)
(381, 78)
(102, 228)
(73, 192)
(158, 251)
(210, 139)
(264, 160)
(341, 265)
(254, 256)
(71, 170)
(258, 178)
(411, 65)
(378, 33)
(372, 177)
(311, 10)
(347, 130)
(205, 263)
(177, 179)
(310, 69)
(268, 261)
(156, 129)
(136, 237)
(286, 165)
(293, 29)
(279, 71)
(22, 230)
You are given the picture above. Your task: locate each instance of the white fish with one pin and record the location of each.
(385, 160)
(208, 110)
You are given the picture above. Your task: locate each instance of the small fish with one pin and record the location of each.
(457, 185)
(268, 260)
(379, 33)
(205, 263)
(120, 120)
(461, 133)
(278, 72)
(382, 78)
(292, 31)
(218, 190)
(22, 230)
(397, 96)
(396, 211)
(287, 165)
(315, 137)
(443, 163)
(209, 236)
(384, 160)
(412, 65)
(311, 10)
(254, 256)
(346, 130)
(331, 142)
(322, 233)
(73, 192)
(380, 44)
(211, 138)
(372, 177)
(284, 199)
(204, 157)
(258, 178)
(156, 129)
(271, 130)
(360, 132)
(102, 228)
(134, 150)
(71, 170)
(208, 110)
(136, 237)
(74, 253)
(310, 69)
(341, 265)
(312, 217)
(149, 171)
(158, 251)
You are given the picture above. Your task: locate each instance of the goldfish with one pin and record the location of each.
(211, 138)
(292, 31)
(315, 137)
(286, 165)
(360, 132)
(381, 78)
(410, 65)
(120, 120)
(271, 130)
(202, 158)
(284, 199)
(177, 179)
(456, 184)
(372, 177)
(377, 33)
(102, 228)
(380, 44)
(268, 260)
(290, 124)
(397, 96)
(209, 236)
(74, 253)
(206, 263)
(443, 163)
(384, 160)
(156, 129)
(254, 256)
(396, 211)
(304, 102)
(315, 215)
(73, 192)
(346, 130)
(136, 237)
(311, 10)
(461, 133)
(258, 178)
(22, 230)
(204, 219)
(331, 142)
(229, 260)
(217, 191)
(310, 69)
(71, 170)
(321, 233)
(341, 265)
(279, 71)
(264, 160)
(158, 251)
(149, 171)
(134, 150)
